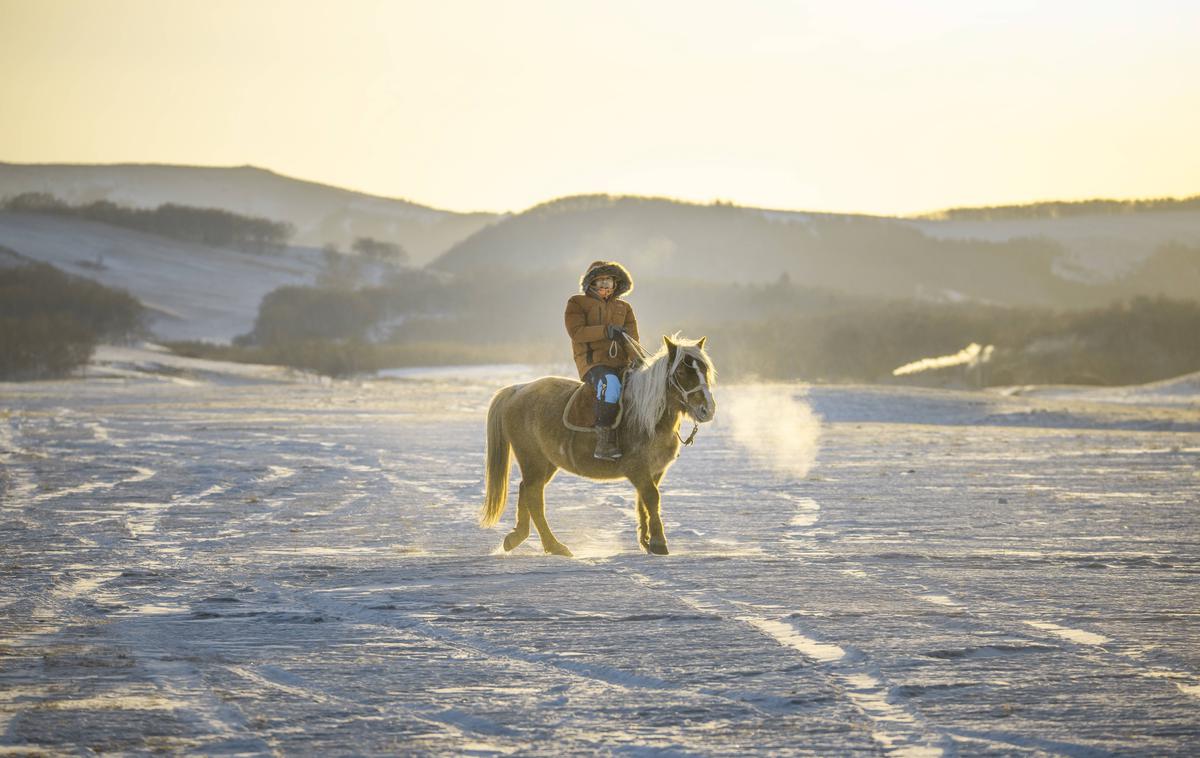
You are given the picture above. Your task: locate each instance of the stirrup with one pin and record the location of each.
(607, 448)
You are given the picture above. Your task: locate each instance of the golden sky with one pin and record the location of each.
(880, 107)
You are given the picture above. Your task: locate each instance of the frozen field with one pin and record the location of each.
(246, 564)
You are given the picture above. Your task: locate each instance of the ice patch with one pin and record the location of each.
(786, 635)
(141, 519)
(1074, 635)
(1186, 687)
(153, 609)
(116, 702)
(939, 600)
(870, 695)
(1189, 689)
(142, 475)
(277, 473)
(100, 433)
(809, 511)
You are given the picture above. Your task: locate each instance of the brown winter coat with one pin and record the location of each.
(587, 316)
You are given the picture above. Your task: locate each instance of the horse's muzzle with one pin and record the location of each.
(703, 414)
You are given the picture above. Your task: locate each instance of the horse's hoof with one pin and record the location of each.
(559, 549)
(511, 540)
(658, 547)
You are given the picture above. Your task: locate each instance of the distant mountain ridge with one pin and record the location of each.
(1080, 260)
(321, 213)
(1038, 255)
(1060, 208)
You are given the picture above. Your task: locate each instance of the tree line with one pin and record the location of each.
(776, 331)
(1063, 208)
(50, 322)
(207, 226)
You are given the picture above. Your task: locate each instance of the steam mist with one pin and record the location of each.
(972, 355)
(774, 424)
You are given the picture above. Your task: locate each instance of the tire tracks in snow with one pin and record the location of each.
(848, 672)
(1091, 645)
(579, 671)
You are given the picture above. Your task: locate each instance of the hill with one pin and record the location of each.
(191, 291)
(320, 213)
(1070, 261)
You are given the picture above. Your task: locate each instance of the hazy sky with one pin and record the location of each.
(879, 107)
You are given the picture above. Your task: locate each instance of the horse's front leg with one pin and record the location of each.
(648, 514)
(643, 528)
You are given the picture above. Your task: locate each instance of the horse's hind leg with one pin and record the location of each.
(521, 530)
(533, 501)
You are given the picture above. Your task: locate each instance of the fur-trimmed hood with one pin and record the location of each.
(621, 277)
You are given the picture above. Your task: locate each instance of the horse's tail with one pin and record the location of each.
(499, 458)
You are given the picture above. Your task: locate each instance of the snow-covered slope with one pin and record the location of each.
(321, 213)
(193, 291)
(1181, 390)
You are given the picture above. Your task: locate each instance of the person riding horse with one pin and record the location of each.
(596, 321)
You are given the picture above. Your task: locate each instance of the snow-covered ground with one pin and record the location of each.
(199, 562)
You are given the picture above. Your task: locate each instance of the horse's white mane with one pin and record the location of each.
(646, 393)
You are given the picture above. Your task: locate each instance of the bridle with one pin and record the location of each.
(684, 394)
(643, 354)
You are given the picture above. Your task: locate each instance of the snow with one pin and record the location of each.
(148, 360)
(320, 213)
(1181, 390)
(255, 562)
(192, 291)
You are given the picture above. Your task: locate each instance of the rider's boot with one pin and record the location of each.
(608, 447)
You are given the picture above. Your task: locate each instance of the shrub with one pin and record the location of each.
(50, 322)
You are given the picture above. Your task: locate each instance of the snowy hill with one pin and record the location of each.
(192, 291)
(321, 213)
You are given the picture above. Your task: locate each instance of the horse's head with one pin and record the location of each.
(690, 377)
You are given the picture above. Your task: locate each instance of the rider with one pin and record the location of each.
(596, 321)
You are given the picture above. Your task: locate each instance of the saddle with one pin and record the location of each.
(580, 413)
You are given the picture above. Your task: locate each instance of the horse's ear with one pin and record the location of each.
(700, 344)
(670, 350)
(667, 341)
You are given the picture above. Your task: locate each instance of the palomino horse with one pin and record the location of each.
(527, 420)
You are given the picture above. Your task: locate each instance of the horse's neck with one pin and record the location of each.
(669, 422)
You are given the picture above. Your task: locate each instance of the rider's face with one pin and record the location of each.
(604, 288)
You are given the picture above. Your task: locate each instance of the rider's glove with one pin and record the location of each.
(612, 331)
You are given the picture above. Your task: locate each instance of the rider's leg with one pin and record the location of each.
(608, 395)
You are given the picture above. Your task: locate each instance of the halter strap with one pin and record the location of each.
(683, 394)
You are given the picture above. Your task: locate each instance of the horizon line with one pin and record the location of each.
(922, 215)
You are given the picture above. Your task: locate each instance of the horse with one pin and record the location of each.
(525, 421)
